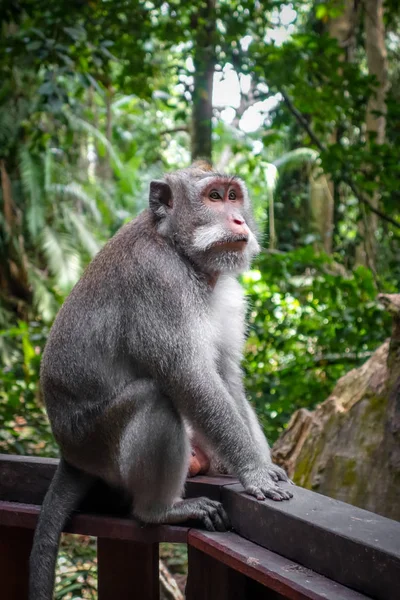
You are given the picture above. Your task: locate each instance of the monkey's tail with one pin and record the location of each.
(68, 487)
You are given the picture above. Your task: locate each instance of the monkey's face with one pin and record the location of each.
(223, 239)
(209, 217)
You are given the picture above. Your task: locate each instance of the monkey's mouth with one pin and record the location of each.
(237, 244)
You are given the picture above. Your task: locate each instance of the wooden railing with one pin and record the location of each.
(311, 547)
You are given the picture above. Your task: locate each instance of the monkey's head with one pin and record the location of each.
(208, 216)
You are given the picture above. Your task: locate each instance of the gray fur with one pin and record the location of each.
(146, 344)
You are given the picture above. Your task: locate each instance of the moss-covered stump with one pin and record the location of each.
(349, 446)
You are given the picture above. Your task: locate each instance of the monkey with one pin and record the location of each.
(144, 360)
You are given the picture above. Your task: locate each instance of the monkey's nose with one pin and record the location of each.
(238, 226)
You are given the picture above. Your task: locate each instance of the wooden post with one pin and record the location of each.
(127, 570)
(15, 548)
(209, 579)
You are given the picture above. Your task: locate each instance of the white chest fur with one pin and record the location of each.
(227, 316)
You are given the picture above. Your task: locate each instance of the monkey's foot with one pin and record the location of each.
(261, 483)
(210, 512)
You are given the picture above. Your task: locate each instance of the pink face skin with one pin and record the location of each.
(226, 197)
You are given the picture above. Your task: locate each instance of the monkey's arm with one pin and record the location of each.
(189, 377)
(233, 376)
(232, 429)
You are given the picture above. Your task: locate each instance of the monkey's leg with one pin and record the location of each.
(154, 460)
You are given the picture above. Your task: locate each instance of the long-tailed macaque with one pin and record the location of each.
(145, 354)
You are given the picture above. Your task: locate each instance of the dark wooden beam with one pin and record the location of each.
(280, 575)
(208, 486)
(24, 516)
(349, 545)
(26, 479)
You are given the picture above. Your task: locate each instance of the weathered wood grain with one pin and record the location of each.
(278, 574)
(349, 545)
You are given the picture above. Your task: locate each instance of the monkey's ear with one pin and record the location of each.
(160, 196)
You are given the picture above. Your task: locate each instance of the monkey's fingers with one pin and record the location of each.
(219, 516)
(288, 495)
(224, 516)
(271, 491)
(273, 475)
(255, 491)
(276, 493)
(213, 515)
(207, 522)
(217, 521)
(278, 474)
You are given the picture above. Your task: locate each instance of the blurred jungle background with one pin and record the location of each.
(301, 100)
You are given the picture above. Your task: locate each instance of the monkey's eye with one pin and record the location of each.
(232, 195)
(214, 195)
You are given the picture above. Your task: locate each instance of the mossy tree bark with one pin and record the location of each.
(349, 446)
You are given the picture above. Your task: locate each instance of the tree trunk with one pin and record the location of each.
(204, 64)
(322, 194)
(321, 211)
(375, 119)
(349, 446)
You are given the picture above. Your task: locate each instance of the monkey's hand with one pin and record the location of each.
(261, 482)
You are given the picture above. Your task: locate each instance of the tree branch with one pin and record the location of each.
(175, 130)
(320, 360)
(345, 178)
(302, 120)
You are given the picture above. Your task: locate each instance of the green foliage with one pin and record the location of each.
(309, 324)
(24, 425)
(76, 568)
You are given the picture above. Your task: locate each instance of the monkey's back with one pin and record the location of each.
(88, 357)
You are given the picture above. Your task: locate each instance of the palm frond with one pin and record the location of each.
(296, 158)
(7, 124)
(123, 101)
(86, 238)
(75, 190)
(32, 185)
(7, 347)
(83, 125)
(48, 168)
(44, 300)
(63, 260)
